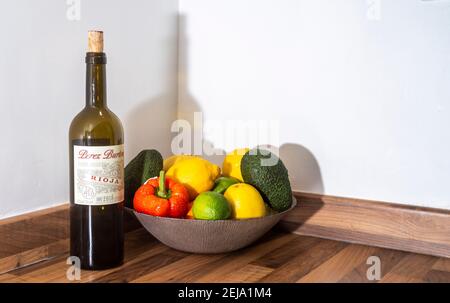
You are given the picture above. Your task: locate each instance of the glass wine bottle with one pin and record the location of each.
(96, 171)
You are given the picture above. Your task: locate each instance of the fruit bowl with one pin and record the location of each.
(209, 237)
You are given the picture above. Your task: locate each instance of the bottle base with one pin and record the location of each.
(101, 267)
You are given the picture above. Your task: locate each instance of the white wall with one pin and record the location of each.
(363, 104)
(42, 82)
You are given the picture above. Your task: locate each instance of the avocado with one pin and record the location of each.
(147, 164)
(265, 171)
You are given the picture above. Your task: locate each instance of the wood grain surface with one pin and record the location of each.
(277, 257)
(34, 248)
(414, 229)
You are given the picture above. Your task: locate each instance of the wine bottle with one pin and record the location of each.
(96, 171)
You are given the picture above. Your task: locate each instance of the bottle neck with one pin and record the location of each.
(96, 80)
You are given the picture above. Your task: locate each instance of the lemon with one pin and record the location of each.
(231, 166)
(246, 201)
(169, 162)
(211, 206)
(196, 174)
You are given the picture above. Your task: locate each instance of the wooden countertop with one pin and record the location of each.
(34, 248)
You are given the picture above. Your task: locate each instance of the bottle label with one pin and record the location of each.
(98, 174)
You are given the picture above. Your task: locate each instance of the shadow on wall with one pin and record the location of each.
(305, 176)
(304, 170)
(147, 124)
(188, 105)
(148, 127)
(208, 150)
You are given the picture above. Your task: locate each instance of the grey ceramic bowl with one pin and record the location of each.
(209, 237)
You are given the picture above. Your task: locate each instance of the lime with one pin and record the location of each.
(221, 184)
(211, 206)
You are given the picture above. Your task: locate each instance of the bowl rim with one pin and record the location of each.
(293, 205)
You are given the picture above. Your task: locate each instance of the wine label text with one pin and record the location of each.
(98, 175)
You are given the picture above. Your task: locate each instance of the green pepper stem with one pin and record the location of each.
(162, 185)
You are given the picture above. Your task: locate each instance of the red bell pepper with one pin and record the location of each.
(162, 197)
